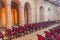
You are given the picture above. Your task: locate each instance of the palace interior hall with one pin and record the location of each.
(29, 19)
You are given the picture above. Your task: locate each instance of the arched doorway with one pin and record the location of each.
(15, 14)
(26, 13)
(41, 14)
(2, 14)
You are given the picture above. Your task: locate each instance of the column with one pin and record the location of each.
(9, 15)
(21, 16)
(37, 15)
(31, 18)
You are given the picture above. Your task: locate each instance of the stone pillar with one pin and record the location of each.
(37, 15)
(31, 15)
(21, 16)
(9, 15)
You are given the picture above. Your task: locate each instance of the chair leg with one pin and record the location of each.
(24, 32)
(16, 36)
(2, 38)
(32, 30)
(39, 28)
(29, 30)
(35, 29)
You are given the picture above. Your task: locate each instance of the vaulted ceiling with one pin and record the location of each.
(54, 2)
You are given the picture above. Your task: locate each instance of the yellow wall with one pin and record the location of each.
(3, 20)
(25, 15)
(14, 16)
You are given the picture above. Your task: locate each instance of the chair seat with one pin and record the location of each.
(1, 35)
(20, 31)
(40, 37)
(12, 33)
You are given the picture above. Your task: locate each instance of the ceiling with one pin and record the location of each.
(54, 2)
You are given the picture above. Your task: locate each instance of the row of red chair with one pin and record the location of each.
(24, 29)
(53, 34)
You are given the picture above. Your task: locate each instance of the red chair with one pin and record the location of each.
(14, 32)
(35, 26)
(8, 33)
(30, 28)
(25, 29)
(38, 26)
(1, 36)
(57, 37)
(47, 34)
(52, 31)
(20, 30)
(52, 36)
(42, 24)
(45, 38)
(40, 37)
(15, 29)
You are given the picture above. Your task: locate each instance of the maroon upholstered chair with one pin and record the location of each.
(57, 37)
(35, 27)
(20, 30)
(1, 36)
(30, 28)
(8, 33)
(52, 31)
(47, 34)
(25, 29)
(14, 32)
(40, 37)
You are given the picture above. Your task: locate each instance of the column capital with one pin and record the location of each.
(32, 8)
(21, 7)
(8, 4)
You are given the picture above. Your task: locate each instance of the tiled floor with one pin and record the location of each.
(33, 36)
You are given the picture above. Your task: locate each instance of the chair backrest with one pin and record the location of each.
(40, 37)
(31, 26)
(45, 38)
(51, 31)
(47, 34)
(8, 31)
(1, 35)
(52, 36)
(14, 29)
(57, 37)
(24, 28)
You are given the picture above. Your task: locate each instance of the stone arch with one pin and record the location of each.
(15, 13)
(27, 12)
(5, 2)
(20, 9)
(41, 13)
(17, 2)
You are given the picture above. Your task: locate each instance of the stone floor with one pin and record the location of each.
(33, 36)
